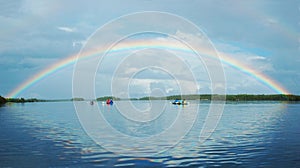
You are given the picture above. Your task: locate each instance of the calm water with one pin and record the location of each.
(248, 135)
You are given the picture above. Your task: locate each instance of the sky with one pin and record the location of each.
(262, 35)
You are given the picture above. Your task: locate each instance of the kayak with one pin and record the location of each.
(109, 101)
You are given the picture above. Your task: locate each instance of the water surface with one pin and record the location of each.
(249, 134)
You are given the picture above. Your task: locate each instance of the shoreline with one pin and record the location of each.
(200, 97)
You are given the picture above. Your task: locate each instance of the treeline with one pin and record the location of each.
(30, 100)
(22, 100)
(239, 97)
(107, 97)
(19, 100)
(2, 100)
(150, 98)
(173, 97)
(77, 99)
(189, 97)
(202, 97)
(274, 97)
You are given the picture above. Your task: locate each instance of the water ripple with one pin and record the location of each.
(248, 135)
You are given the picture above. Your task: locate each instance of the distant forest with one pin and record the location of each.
(239, 97)
(107, 97)
(2, 100)
(203, 97)
(30, 100)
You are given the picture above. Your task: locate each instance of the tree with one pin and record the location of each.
(2, 100)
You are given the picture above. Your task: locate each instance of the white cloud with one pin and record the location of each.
(79, 43)
(244, 56)
(67, 29)
(257, 58)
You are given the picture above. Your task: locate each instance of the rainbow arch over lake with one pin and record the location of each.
(142, 44)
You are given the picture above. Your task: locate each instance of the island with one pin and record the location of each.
(107, 97)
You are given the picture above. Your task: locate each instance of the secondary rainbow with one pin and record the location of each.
(140, 44)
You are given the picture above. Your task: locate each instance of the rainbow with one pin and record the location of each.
(142, 44)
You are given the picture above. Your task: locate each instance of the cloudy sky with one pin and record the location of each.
(263, 35)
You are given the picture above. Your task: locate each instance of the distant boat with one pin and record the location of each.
(109, 102)
(179, 102)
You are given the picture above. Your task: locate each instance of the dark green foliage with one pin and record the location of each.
(275, 97)
(22, 100)
(240, 97)
(2, 100)
(152, 98)
(77, 99)
(107, 97)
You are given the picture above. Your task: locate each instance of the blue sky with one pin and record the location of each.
(36, 34)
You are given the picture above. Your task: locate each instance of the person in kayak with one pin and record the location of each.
(109, 101)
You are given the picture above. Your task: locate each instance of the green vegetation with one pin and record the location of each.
(22, 100)
(2, 100)
(107, 97)
(152, 98)
(240, 97)
(77, 99)
(30, 100)
(189, 97)
(202, 97)
(275, 97)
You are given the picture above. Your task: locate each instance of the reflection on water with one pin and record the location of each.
(249, 134)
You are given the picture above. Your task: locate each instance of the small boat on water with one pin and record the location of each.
(179, 102)
(109, 102)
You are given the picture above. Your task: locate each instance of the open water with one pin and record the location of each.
(249, 134)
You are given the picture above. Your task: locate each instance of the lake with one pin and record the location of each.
(157, 134)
